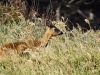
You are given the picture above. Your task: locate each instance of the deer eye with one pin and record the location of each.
(56, 30)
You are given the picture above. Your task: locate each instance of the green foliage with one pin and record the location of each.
(8, 14)
(73, 53)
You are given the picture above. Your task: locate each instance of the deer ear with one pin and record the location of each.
(49, 24)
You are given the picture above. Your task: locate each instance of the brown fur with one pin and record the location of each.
(34, 43)
(17, 46)
(21, 46)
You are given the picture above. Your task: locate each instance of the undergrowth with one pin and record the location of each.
(73, 53)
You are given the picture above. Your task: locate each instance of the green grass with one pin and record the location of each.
(73, 53)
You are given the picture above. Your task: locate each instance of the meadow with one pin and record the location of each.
(73, 53)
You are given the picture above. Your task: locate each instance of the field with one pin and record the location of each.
(73, 53)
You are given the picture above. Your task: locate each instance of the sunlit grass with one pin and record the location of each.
(73, 53)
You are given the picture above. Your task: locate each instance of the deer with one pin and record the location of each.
(19, 47)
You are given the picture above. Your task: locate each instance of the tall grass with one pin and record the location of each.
(73, 53)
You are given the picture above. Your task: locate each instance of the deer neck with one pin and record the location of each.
(45, 38)
(42, 41)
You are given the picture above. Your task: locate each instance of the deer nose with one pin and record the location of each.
(60, 33)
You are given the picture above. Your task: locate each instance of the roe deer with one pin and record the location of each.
(21, 46)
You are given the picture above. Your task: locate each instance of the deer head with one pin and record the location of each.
(53, 30)
(50, 32)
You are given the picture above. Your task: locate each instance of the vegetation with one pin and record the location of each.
(73, 53)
